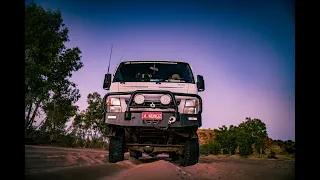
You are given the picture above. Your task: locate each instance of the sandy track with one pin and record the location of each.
(66, 163)
(42, 158)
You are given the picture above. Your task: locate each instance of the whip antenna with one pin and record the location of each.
(110, 58)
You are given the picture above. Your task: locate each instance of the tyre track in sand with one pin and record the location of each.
(51, 163)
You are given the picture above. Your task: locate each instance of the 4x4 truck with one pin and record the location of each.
(153, 107)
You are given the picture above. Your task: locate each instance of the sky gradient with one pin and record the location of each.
(245, 51)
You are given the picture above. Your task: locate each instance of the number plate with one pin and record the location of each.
(151, 115)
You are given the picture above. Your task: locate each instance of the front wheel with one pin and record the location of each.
(174, 156)
(190, 155)
(116, 146)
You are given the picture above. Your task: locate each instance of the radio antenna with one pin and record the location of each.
(110, 58)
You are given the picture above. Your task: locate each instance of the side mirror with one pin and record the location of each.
(200, 83)
(107, 81)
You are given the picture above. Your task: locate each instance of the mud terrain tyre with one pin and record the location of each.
(190, 155)
(135, 154)
(116, 147)
(174, 156)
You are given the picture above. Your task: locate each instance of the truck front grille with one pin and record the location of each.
(157, 103)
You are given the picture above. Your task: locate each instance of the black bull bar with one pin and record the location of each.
(131, 99)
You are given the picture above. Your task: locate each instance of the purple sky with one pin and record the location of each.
(245, 51)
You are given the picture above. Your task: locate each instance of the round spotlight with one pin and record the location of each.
(165, 99)
(139, 99)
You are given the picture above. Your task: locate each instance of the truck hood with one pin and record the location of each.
(133, 86)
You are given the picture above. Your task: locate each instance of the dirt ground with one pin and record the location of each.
(65, 163)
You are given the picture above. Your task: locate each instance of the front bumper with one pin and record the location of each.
(134, 119)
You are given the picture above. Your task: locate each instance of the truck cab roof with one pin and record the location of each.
(152, 61)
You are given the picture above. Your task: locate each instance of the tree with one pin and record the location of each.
(257, 132)
(210, 148)
(89, 123)
(244, 141)
(59, 109)
(77, 127)
(280, 143)
(289, 146)
(94, 111)
(48, 62)
(227, 138)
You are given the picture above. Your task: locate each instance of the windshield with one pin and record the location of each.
(141, 71)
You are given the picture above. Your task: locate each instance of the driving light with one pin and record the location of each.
(165, 99)
(139, 99)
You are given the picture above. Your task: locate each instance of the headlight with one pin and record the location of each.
(192, 103)
(191, 106)
(114, 105)
(165, 99)
(138, 99)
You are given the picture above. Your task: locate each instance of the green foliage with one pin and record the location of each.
(244, 142)
(66, 140)
(48, 66)
(250, 133)
(245, 150)
(89, 123)
(227, 138)
(256, 133)
(87, 130)
(286, 146)
(289, 147)
(224, 151)
(58, 112)
(210, 148)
